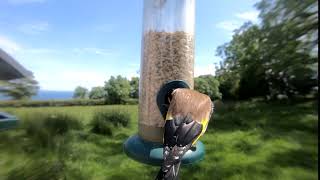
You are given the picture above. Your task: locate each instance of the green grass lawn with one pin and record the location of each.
(246, 140)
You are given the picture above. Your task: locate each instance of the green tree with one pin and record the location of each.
(118, 90)
(19, 89)
(208, 85)
(80, 93)
(290, 28)
(134, 91)
(97, 93)
(275, 58)
(243, 68)
(228, 83)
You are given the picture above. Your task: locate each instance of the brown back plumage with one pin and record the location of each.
(186, 101)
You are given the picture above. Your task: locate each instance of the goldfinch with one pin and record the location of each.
(186, 120)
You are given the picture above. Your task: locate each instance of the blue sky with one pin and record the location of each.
(83, 42)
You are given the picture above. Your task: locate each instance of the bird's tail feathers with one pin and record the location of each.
(171, 173)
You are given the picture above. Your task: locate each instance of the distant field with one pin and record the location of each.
(246, 140)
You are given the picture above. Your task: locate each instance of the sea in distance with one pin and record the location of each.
(48, 95)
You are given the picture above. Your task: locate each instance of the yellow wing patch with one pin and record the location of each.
(204, 124)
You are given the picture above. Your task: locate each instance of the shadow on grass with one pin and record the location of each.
(246, 147)
(187, 171)
(269, 169)
(109, 144)
(288, 126)
(275, 117)
(295, 158)
(43, 169)
(137, 174)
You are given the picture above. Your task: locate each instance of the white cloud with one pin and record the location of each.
(249, 16)
(204, 70)
(9, 45)
(98, 51)
(40, 51)
(134, 65)
(59, 76)
(14, 48)
(19, 2)
(34, 28)
(205, 63)
(228, 25)
(67, 78)
(54, 73)
(91, 50)
(132, 72)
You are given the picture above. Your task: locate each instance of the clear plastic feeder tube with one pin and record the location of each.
(167, 54)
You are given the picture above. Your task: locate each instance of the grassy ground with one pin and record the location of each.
(247, 140)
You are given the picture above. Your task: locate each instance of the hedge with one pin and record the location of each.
(31, 103)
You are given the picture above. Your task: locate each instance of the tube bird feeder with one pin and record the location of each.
(167, 63)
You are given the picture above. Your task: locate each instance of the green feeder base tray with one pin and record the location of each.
(152, 153)
(7, 121)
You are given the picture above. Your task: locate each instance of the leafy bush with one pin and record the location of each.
(80, 93)
(59, 124)
(97, 93)
(43, 128)
(75, 102)
(134, 90)
(100, 126)
(116, 117)
(118, 89)
(208, 85)
(104, 121)
(131, 101)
